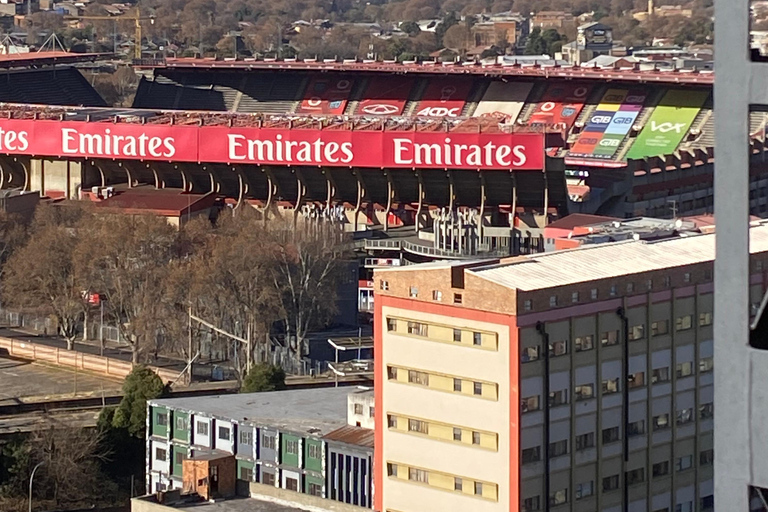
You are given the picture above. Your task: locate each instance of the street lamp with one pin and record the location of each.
(31, 477)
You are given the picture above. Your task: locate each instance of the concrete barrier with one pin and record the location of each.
(91, 363)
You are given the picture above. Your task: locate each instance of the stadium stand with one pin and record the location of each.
(48, 86)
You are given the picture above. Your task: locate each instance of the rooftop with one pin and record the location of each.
(352, 435)
(605, 261)
(163, 201)
(232, 505)
(313, 411)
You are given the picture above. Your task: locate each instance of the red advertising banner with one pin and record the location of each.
(444, 98)
(385, 97)
(326, 96)
(219, 144)
(562, 103)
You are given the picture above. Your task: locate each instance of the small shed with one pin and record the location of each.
(210, 474)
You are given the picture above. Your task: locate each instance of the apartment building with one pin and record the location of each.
(296, 440)
(578, 380)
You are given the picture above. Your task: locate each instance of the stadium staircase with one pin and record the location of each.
(654, 97)
(355, 96)
(532, 102)
(586, 112)
(415, 97)
(473, 100)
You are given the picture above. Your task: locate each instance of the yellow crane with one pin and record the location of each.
(137, 19)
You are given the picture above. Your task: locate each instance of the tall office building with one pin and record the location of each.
(579, 380)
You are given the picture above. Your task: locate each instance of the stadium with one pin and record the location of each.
(418, 160)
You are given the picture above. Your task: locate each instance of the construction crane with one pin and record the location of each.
(137, 19)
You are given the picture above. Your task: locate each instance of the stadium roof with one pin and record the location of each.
(513, 68)
(16, 60)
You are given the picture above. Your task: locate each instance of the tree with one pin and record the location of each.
(456, 37)
(13, 232)
(140, 385)
(447, 22)
(411, 28)
(264, 377)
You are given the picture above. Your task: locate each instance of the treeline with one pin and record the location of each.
(244, 276)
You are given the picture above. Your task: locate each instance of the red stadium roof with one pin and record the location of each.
(680, 77)
(13, 60)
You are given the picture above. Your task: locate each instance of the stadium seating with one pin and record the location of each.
(56, 86)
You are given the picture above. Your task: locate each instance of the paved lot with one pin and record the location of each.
(21, 380)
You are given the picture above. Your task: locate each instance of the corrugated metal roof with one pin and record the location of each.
(605, 261)
(352, 435)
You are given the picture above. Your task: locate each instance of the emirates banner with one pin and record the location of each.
(218, 144)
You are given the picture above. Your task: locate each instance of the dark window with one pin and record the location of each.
(179, 458)
(391, 324)
(224, 433)
(246, 437)
(160, 454)
(202, 428)
(315, 489)
(585, 441)
(636, 428)
(661, 469)
(609, 338)
(268, 479)
(558, 448)
(610, 435)
(291, 484)
(707, 503)
(478, 388)
(530, 354)
(457, 335)
(391, 373)
(707, 457)
(531, 455)
(246, 474)
(162, 419)
(268, 442)
(458, 484)
(477, 339)
(635, 476)
(610, 483)
(531, 504)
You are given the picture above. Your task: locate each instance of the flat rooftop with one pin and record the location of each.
(312, 411)
(231, 505)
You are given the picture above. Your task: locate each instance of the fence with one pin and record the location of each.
(80, 361)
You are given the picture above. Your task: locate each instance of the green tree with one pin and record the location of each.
(264, 377)
(140, 385)
(535, 44)
(448, 21)
(411, 28)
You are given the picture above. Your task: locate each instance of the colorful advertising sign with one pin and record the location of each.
(668, 124)
(503, 100)
(561, 103)
(444, 98)
(239, 145)
(385, 97)
(609, 124)
(326, 96)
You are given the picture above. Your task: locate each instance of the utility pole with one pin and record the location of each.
(190, 343)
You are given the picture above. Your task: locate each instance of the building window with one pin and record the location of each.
(477, 388)
(610, 435)
(246, 437)
(181, 423)
(610, 483)
(683, 463)
(530, 354)
(391, 324)
(371, 411)
(707, 411)
(706, 364)
(527, 305)
(630, 287)
(659, 328)
(246, 474)
(268, 442)
(558, 497)
(457, 335)
(391, 373)
(531, 455)
(292, 447)
(391, 469)
(635, 476)
(315, 489)
(314, 451)
(224, 433)
(384, 285)
(358, 408)
(161, 454)
(457, 299)
(684, 507)
(558, 398)
(661, 469)
(477, 339)
(530, 403)
(162, 419)
(413, 292)
(179, 457)
(437, 295)
(636, 332)
(585, 490)
(531, 504)
(687, 277)
(649, 284)
(609, 338)
(456, 434)
(614, 290)
(583, 343)
(575, 297)
(418, 475)
(476, 437)
(584, 392)
(708, 275)
(202, 428)
(593, 293)
(684, 369)
(392, 421)
(420, 378)
(478, 488)
(268, 479)
(558, 448)
(661, 422)
(705, 319)
(636, 428)
(585, 441)
(660, 375)
(667, 281)
(685, 416)
(553, 301)
(457, 385)
(558, 348)
(417, 426)
(292, 484)
(417, 328)
(707, 457)
(458, 484)
(636, 380)
(683, 323)
(707, 503)
(610, 386)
